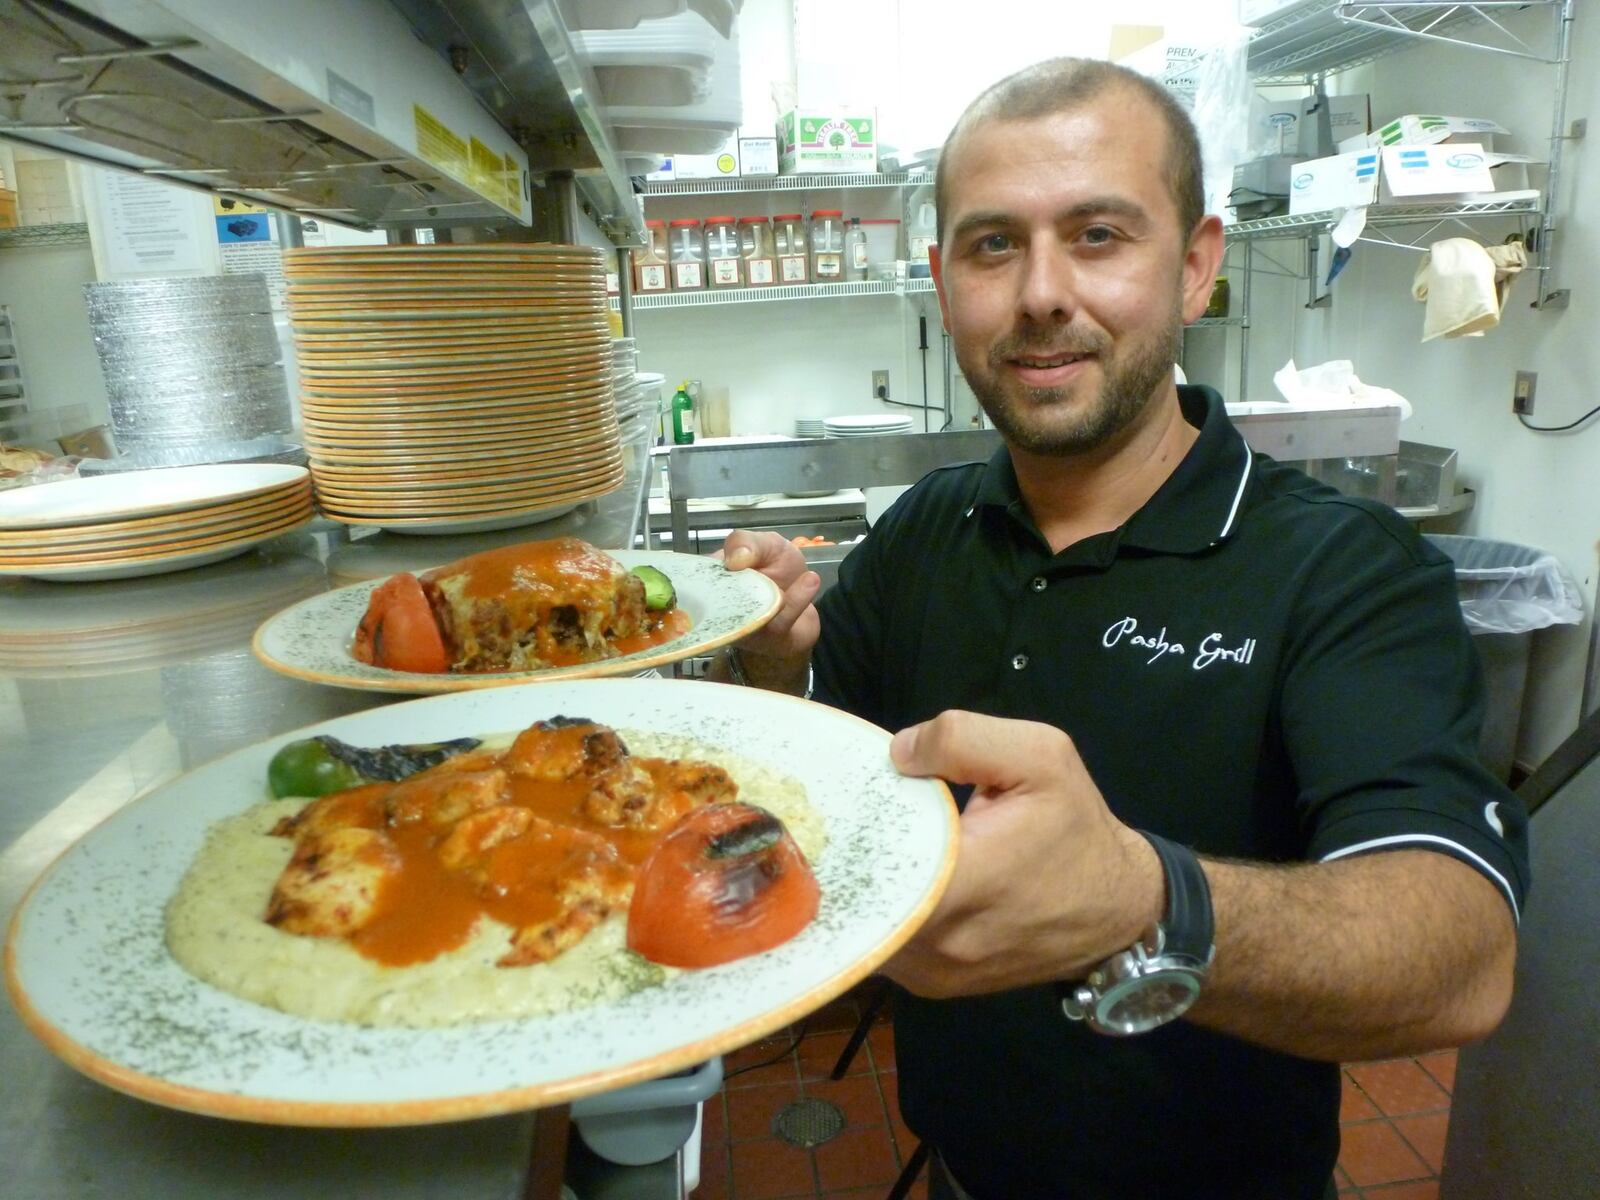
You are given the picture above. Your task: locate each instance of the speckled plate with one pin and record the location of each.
(312, 639)
(88, 969)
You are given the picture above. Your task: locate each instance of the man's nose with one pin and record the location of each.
(1047, 290)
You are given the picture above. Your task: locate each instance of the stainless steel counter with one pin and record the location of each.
(107, 689)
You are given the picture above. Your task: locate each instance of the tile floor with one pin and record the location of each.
(1394, 1116)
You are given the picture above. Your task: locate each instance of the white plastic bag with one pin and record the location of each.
(1507, 588)
(1333, 384)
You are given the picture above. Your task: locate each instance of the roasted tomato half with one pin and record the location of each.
(399, 630)
(727, 881)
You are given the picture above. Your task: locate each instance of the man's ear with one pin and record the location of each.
(936, 266)
(1201, 261)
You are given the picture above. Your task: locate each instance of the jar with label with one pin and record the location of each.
(723, 263)
(757, 250)
(855, 252)
(687, 251)
(790, 241)
(827, 245)
(650, 260)
(922, 230)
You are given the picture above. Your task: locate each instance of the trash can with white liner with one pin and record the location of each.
(1507, 592)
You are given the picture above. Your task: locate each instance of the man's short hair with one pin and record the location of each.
(1059, 84)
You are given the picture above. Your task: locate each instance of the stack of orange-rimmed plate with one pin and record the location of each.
(149, 522)
(454, 388)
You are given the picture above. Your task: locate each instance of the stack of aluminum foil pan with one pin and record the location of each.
(193, 367)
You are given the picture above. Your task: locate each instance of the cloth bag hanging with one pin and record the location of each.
(1464, 286)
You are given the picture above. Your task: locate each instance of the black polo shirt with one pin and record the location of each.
(1254, 665)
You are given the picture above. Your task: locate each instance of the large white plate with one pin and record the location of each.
(138, 493)
(88, 969)
(311, 640)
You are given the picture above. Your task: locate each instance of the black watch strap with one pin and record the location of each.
(1187, 924)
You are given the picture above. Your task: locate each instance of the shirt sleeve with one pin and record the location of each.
(1382, 707)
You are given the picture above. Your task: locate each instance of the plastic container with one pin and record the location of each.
(1507, 592)
(922, 230)
(686, 248)
(792, 243)
(724, 265)
(650, 262)
(827, 245)
(647, 1122)
(758, 251)
(856, 258)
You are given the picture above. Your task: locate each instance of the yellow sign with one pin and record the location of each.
(226, 206)
(440, 145)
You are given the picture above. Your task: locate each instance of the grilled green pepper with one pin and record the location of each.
(320, 765)
(659, 594)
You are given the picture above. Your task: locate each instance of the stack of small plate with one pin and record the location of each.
(625, 378)
(868, 425)
(452, 388)
(809, 427)
(149, 522)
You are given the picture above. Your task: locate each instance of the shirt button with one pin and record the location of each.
(1039, 583)
(1019, 661)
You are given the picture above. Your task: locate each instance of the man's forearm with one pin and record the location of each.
(1371, 957)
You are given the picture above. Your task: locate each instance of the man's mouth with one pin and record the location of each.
(1044, 363)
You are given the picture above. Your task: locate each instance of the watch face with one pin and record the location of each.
(1136, 1005)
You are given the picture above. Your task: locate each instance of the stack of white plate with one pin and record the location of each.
(809, 427)
(149, 522)
(453, 388)
(625, 379)
(868, 425)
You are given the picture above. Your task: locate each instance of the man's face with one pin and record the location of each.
(1063, 277)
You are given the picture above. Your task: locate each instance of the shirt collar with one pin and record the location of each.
(1198, 505)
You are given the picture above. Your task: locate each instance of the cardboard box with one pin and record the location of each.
(758, 156)
(819, 141)
(668, 171)
(1413, 172)
(721, 163)
(1414, 130)
(8, 209)
(1293, 125)
(1339, 181)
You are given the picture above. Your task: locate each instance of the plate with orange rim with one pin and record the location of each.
(311, 640)
(89, 972)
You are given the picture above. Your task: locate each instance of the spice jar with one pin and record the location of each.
(827, 245)
(722, 253)
(790, 241)
(757, 249)
(687, 251)
(650, 260)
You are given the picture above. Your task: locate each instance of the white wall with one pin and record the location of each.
(1534, 489)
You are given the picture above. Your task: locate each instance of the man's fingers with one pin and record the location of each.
(797, 597)
(991, 752)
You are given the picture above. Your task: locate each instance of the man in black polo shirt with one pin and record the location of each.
(1228, 716)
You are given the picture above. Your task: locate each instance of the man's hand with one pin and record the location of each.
(791, 634)
(1047, 884)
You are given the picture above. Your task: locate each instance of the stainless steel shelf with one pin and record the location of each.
(1216, 322)
(44, 235)
(1309, 224)
(793, 291)
(778, 183)
(1334, 35)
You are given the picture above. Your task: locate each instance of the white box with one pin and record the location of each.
(720, 163)
(1293, 125)
(668, 171)
(1421, 130)
(758, 156)
(1339, 181)
(1439, 170)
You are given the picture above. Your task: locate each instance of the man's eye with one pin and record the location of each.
(1098, 235)
(993, 243)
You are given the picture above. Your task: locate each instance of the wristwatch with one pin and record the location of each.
(1156, 979)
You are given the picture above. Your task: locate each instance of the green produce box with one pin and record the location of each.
(816, 141)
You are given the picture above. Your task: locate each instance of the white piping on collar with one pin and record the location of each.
(1238, 495)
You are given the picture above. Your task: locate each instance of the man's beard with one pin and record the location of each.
(1125, 392)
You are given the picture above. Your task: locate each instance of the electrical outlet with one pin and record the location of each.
(880, 384)
(1522, 393)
